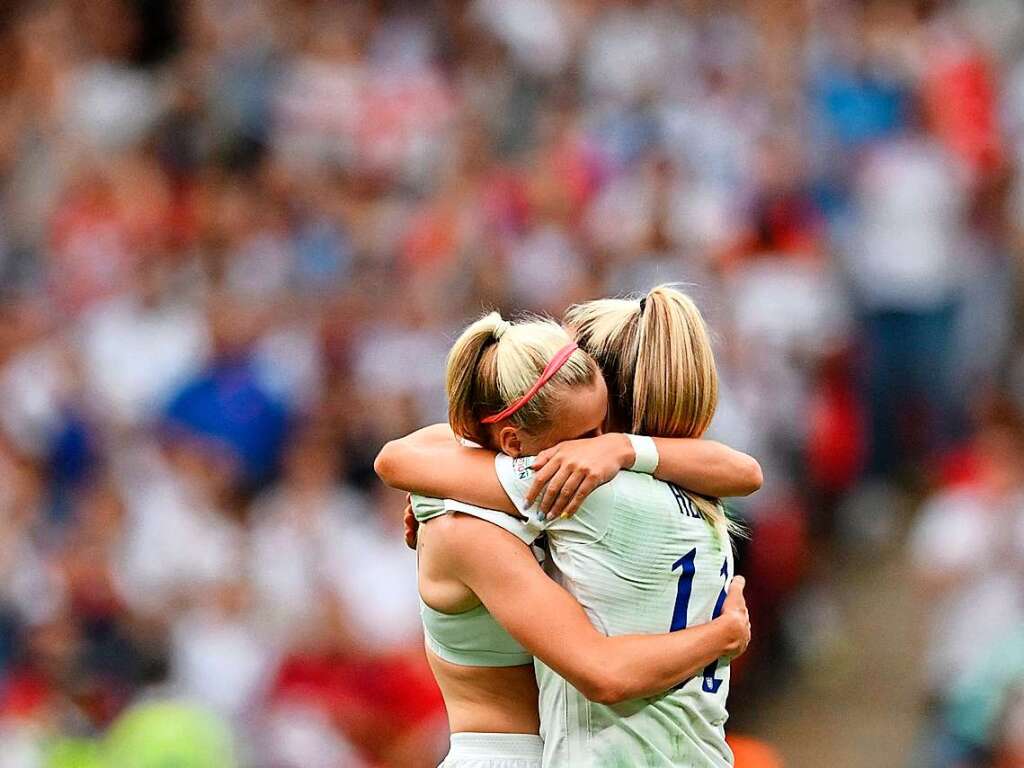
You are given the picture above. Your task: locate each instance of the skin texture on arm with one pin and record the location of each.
(707, 467)
(551, 625)
(568, 472)
(432, 463)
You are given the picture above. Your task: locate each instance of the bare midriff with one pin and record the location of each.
(487, 699)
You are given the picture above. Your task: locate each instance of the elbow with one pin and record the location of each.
(612, 694)
(607, 686)
(603, 692)
(385, 465)
(750, 476)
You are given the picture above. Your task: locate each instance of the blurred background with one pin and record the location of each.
(238, 236)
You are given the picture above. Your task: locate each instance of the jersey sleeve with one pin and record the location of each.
(516, 477)
(588, 524)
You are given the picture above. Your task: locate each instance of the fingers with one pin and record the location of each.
(409, 523)
(542, 478)
(566, 494)
(735, 608)
(554, 487)
(586, 488)
(736, 605)
(542, 458)
(736, 588)
(735, 600)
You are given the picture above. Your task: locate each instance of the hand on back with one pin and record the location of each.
(410, 524)
(734, 611)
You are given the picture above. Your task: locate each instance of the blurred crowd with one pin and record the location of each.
(238, 236)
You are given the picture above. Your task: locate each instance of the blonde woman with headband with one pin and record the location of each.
(641, 555)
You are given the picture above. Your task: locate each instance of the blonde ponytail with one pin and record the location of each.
(675, 382)
(465, 361)
(494, 362)
(658, 362)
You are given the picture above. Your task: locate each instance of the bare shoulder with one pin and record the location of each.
(457, 529)
(442, 530)
(465, 539)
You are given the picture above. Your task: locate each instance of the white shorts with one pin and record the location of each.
(494, 750)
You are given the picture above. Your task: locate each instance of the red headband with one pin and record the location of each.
(561, 357)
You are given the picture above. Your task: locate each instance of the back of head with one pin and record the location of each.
(494, 362)
(657, 360)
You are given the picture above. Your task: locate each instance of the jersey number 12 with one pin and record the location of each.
(687, 564)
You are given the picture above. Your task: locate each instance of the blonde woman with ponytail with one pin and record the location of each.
(487, 606)
(640, 555)
(656, 356)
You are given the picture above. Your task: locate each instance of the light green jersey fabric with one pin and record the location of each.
(472, 638)
(639, 559)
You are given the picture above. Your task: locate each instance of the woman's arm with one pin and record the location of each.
(432, 462)
(707, 467)
(568, 472)
(551, 625)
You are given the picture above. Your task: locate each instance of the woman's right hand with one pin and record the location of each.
(734, 612)
(567, 473)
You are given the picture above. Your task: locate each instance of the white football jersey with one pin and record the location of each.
(640, 559)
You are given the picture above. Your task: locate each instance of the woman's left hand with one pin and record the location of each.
(567, 473)
(410, 524)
